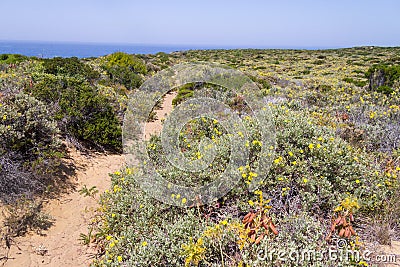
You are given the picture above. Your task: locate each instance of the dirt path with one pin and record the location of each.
(155, 127)
(71, 213)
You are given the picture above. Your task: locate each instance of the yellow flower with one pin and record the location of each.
(117, 173)
(290, 153)
(119, 258)
(311, 146)
(257, 143)
(112, 244)
(338, 208)
(294, 162)
(224, 222)
(108, 237)
(357, 181)
(184, 200)
(241, 134)
(252, 174)
(279, 159)
(251, 203)
(258, 192)
(144, 243)
(305, 180)
(372, 115)
(4, 117)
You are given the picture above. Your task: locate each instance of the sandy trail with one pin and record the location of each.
(72, 212)
(60, 245)
(155, 127)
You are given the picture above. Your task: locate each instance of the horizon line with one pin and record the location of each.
(204, 46)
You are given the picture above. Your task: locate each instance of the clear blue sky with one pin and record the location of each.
(252, 23)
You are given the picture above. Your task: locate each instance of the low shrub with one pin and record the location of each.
(80, 110)
(69, 67)
(125, 69)
(29, 146)
(12, 58)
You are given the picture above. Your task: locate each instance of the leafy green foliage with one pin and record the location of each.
(384, 89)
(387, 76)
(12, 58)
(80, 110)
(125, 69)
(355, 82)
(184, 92)
(69, 67)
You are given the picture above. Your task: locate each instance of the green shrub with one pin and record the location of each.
(80, 110)
(184, 92)
(320, 169)
(12, 58)
(69, 67)
(384, 89)
(355, 82)
(125, 69)
(29, 147)
(383, 76)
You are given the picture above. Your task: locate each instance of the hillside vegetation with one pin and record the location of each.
(337, 154)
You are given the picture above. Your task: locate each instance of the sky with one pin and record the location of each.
(233, 23)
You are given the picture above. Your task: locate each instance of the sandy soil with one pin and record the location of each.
(155, 127)
(72, 212)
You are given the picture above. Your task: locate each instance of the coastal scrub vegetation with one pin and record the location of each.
(335, 171)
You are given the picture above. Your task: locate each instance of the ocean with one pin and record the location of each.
(84, 50)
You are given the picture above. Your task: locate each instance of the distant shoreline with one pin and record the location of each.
(46, 49)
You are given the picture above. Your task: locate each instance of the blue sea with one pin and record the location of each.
(84, 50)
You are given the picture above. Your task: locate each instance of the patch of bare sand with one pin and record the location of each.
(72, 212)
(155, 127)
